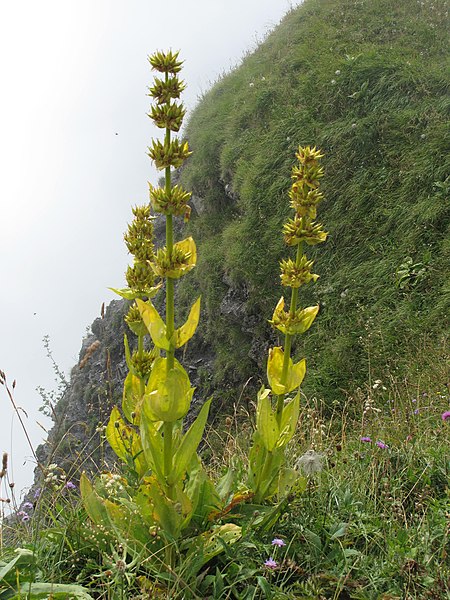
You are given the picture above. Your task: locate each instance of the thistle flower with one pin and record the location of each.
(366, 439)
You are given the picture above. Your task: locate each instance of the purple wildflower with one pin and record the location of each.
(271, 564)
(37, 493)
(381, 445)
(366, 439)
(25, 518)
(278, 542)
(27, 505)
(416, 412)
(446, 415)
(70, 486)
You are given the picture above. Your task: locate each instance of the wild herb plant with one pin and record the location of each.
(166, 497)
(275, 425)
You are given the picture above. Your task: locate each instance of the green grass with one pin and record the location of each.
(367, 83)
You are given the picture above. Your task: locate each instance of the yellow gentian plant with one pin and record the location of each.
(277, 412)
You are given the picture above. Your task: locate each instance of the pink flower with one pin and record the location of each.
(278, 542)
(271, 564)
(365, 439)
(446, 415)
(381, 445)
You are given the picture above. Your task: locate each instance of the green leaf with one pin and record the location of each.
(165, 511)
(93, 503)
(265, 586)
(189, 444)
(23, 558)
(131, 398)
(118, 435)
(295, 373)
(154, 323)
(168, 393)
(211, 543)
(152, 444)
(266, 422)
(186, 331)
(289, 420)
(56, 591)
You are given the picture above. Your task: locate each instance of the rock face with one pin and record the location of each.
(76, 442)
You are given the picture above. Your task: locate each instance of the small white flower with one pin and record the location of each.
(353, 125)
(251, 84)
(333, 81)
(337, 72)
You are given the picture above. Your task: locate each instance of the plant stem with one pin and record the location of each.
(170, 327)
(288, 342)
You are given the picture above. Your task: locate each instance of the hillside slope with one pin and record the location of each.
(364, 81)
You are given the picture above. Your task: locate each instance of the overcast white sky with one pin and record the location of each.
(73, 74)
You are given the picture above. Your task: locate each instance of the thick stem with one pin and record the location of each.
(288, 342)
(260, 493)
(141, 355)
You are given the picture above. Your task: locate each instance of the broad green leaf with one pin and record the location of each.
(303, 320)
(211, 543)
(266, 422)
(93, 503)
(152, 444)
(300, 322)
(286, 480)
(55, 591)
(119, 435)
(295, 373)
(189, 444)
(289, 420)
(131, 399)
(202, 493)
(23, 558)
(186, 331)
(154, 323)
(168, 393)
(165, 511)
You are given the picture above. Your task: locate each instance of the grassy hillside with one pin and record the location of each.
(366, 82)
